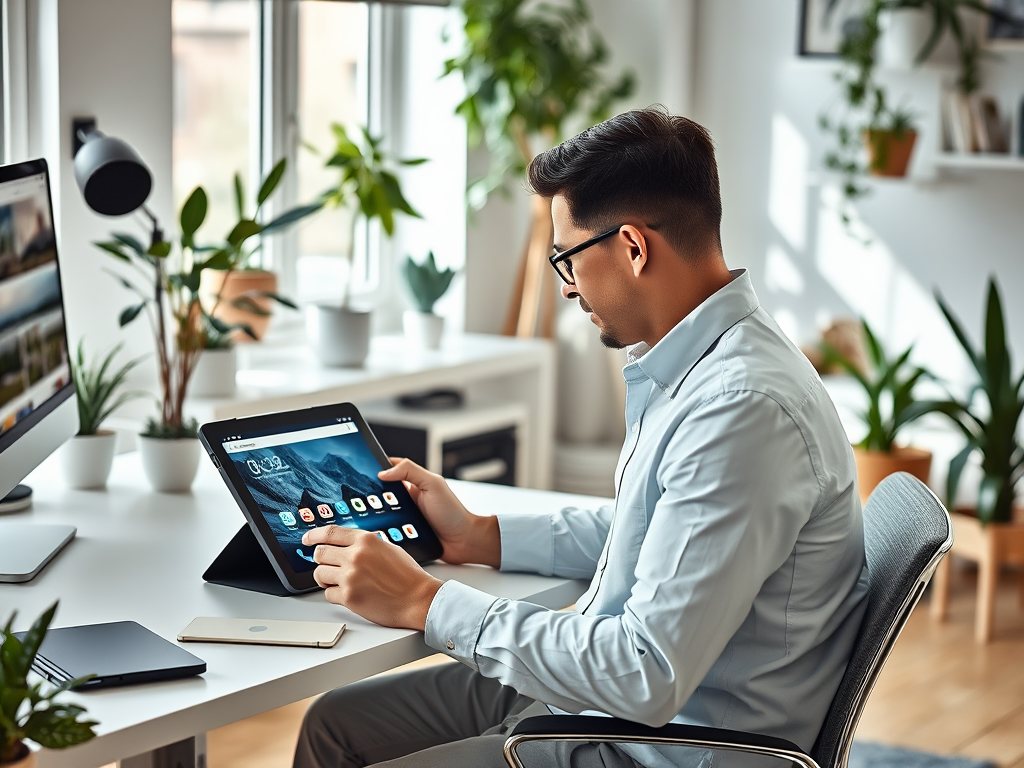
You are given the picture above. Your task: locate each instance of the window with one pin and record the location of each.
(215, 116)
(333, 80)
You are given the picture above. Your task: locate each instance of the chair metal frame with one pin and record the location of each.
(591, 729)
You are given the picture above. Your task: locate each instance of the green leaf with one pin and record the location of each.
(193, 214)
(239, 197)
(243, 230)
(220, 260)
(414, 161)
(958, 331)
(278, 298)
(114, 249)
(130, 313)
(290, 217)
(956, 468)
(159, 250)
(130, 241)
(997, 361)
(270, 183)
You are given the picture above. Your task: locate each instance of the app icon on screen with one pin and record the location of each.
(304, 556)
(381, 536)
(409, 531)
(395, 534)
(325, 511)
(357, 504)
(288, 518)
(342, 507)
(307, 514)
(374, 502)
(390, 498)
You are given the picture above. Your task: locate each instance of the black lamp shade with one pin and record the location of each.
(113, 179)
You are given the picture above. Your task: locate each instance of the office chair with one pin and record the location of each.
(906, 533)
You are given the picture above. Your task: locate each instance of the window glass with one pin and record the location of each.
(332, 88)
(215, 122)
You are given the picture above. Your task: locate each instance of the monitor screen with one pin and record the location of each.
(35, 369)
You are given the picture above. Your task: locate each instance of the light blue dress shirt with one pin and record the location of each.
(727, 580)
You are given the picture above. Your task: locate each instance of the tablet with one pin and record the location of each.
(294, 471)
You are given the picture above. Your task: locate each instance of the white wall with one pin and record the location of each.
(497, 233)
(761, 104)
(114, 63)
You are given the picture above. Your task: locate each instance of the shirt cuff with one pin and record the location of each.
(455, 619)
(527, 543)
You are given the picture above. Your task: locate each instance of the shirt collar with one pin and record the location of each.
(668, 361)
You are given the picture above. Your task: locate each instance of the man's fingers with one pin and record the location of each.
(405, 470)
(338, 535)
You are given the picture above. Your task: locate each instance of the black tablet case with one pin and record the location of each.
(243, 564)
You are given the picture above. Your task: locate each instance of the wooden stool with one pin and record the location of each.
(991, 547)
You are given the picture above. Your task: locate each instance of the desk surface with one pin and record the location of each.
(139, 555)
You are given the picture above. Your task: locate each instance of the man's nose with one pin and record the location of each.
(569, 291)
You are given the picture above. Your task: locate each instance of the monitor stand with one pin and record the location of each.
(19, 499)
(25, 548)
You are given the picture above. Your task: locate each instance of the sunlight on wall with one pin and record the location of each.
(781, 274)
(864, 272)
(787, 184)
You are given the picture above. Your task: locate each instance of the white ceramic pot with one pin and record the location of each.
(904, 33)
(170, 465)
(214, 374)
(28, 761)
(423, 329)
(86, 459)
(340, 336)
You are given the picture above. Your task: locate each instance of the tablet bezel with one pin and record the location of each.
(425, 548)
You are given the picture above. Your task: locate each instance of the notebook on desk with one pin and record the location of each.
(119, 653)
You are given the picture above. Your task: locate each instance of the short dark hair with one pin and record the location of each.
(644, 163)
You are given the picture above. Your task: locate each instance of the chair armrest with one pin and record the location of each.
(611, 729)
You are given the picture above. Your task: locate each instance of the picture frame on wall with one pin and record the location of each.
(824, 24)
(1005, 27)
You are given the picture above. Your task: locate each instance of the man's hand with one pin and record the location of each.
(371, 577)
(466, 538)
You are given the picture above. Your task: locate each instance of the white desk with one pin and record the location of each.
(282, 373)
(139, 555)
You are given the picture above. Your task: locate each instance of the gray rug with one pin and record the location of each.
(866, 754)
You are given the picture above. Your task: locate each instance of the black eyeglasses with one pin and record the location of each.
(562, 262)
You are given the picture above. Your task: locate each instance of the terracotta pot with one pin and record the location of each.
(888, 155)
(233, 285)
(874, 466)
(27, 759)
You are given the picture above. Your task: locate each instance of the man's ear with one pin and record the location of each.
(634, 240)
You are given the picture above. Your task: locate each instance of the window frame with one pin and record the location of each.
(278, 134)
(14, 80)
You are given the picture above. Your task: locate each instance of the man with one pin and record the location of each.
(726, 578)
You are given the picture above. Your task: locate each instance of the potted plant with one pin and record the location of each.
(427, 284)
(31, 712)
(235, 288)
(214, 374)
(340, 334)
(87, 457)
(992, 533)
(530, 69)
(871, 136)
(889, 386)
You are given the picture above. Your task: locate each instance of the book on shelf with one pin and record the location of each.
(972, 124)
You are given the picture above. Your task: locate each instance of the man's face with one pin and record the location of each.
(604, 282)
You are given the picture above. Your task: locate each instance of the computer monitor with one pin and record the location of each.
(38, 407)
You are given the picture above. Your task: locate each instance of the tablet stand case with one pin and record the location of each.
(244, 565)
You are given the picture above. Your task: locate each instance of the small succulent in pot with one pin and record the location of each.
(427, 284)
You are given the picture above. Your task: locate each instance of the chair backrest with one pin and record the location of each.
(906, 533)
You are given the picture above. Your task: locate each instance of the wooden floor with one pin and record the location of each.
(938, 693)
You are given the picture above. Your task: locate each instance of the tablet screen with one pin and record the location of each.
(318, 475)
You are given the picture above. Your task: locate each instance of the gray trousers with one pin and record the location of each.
(446, 716)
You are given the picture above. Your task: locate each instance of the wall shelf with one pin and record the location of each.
(979, 161)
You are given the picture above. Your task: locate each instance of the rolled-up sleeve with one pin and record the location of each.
(728, 516)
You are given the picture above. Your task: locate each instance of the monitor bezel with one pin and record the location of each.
(16, 172)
